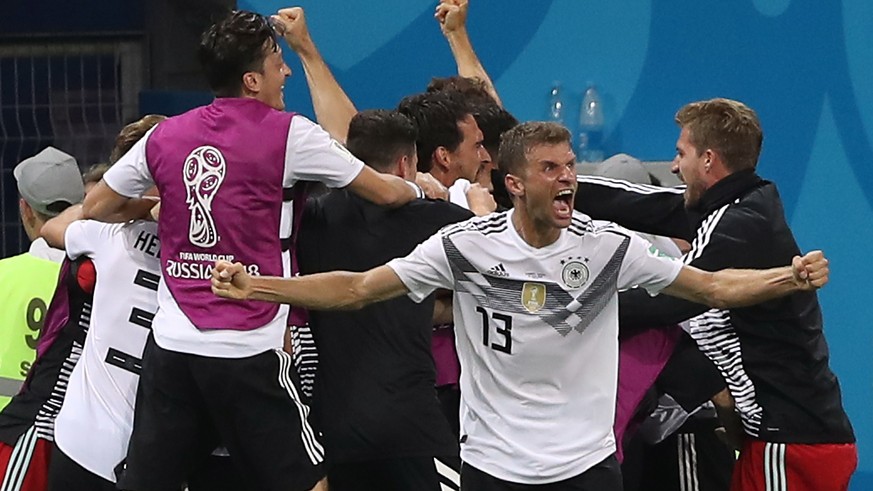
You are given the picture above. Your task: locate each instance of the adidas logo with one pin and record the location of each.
(498, 270)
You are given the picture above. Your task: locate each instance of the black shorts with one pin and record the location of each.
(450, 403)
(397, 474)
(187, 404)
(604, 476)
(694, 460)
(65, 474)
(218, 474)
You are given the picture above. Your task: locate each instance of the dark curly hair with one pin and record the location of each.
(237, 44)
(436, 116)
(379, 136)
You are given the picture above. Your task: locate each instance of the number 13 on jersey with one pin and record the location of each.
(496, 331)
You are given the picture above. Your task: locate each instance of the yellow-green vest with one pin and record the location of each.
(27, 284)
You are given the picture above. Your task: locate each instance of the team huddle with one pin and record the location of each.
(249, 300)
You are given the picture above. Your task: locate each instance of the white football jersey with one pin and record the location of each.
(537, 335)
(96, 419)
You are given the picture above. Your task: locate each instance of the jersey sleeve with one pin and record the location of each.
(425, 269)
(86, 237)
(314, 156)
(646, 267)
(130, 176)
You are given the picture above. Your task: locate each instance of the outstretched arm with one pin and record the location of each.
(731, 288)
(650, 209)
(336, 290)
(333, 108)
(452, 16)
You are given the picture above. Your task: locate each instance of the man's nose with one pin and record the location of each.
(484, 156)
(568, 173)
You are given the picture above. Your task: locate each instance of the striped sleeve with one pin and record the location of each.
(650, 209)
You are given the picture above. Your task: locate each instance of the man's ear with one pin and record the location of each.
(27, 214)
(402, 167)
(514, 185)
(441, 158)
(707, 158)
(715, 164)
(251, 82)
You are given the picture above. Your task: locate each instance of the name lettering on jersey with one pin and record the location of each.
(533, 296)
(203, 174)
(148, 243)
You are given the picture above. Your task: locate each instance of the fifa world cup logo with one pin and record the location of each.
(203, 173)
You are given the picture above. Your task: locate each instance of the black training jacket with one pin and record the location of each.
(773, 355)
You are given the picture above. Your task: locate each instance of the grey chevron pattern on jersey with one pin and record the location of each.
(561, 309)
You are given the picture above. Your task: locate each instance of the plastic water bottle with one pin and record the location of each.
(556, 104)
(590, 142)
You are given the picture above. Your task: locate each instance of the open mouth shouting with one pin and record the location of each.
(563, 204)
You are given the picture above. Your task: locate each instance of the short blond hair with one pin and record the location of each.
(729, 127)
(517, 142)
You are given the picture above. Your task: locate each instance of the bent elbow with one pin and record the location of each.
(51, 235)
(353, 300)
(395, 199)
(88, 211)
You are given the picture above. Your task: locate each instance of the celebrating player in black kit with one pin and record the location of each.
(374, 393)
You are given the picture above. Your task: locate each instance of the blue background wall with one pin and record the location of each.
(806, 66)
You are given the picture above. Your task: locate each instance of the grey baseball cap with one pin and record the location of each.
(625, 167)
(48, 179)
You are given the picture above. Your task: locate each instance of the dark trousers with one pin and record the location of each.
(604, 476)
(450, 402)
(396, 474)
(66, 475)
(685, 460)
